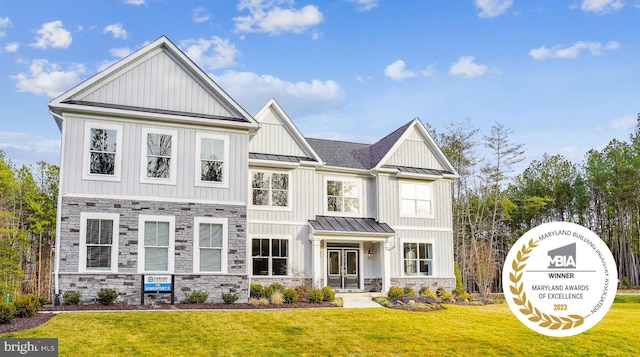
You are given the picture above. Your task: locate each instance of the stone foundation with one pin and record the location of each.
(417, 283)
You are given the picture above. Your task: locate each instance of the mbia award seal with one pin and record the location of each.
(559, 279)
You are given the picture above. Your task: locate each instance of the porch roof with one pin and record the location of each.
(328, 224)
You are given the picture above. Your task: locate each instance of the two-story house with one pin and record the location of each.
(162, 173)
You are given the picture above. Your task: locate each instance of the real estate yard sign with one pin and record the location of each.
(559, 279)
(157, 283)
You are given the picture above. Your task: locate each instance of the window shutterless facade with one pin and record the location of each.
(102, 151)
(212, 160)
(159, 148)
(156, 244)
(416, 200)
(99, 242)
(270, 256)
(210, 245)
(343, 196)
(418, 259)
(270, 189)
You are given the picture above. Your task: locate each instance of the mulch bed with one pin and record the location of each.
(21, 323)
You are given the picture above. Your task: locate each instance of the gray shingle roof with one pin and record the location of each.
(355, 155)
(350, 224)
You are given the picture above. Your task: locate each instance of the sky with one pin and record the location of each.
(564, 75)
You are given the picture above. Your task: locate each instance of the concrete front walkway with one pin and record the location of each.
(359, 300)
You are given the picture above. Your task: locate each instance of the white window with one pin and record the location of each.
(343, 196)
(416, 200)
(270, 256)
(158, 156)
(210, 245)
(270, 189)
(156, 244)
(212, 155)
(99, 241)
(418, 259)
(102, 151)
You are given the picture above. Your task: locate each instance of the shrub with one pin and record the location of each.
(42, 300)
(303, 292)
(459, 286)
(444, 295)
(624, 283)
(268, 291)
(315, 296)
(196, 297)
(328, 294)
(277, 287)
(107, 296)
(426, 292)
(409, 291)
(290, 296)
(263, 301)
(26, 305)
(7, 312)
(395, 292)
(277, 298)
(229, 298)
(256, 291)
(464, 296)
(253, 301)
(71, 297)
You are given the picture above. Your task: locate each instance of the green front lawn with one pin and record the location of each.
(458, 330)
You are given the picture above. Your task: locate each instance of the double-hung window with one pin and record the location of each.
(416, 200)
(210, 245)
(99, 241)
(270, 256)
(156, 243)
(270, 189)
(418, 259)
(212, 160)
(102, 151)
(343, 196)
(159, 149)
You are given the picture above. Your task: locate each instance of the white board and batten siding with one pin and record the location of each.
(130, 184)
(415, 152)
(300, 258)
(157, 82)
(442, 250)
(274, 138)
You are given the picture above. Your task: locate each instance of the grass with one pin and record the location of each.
(457, 330)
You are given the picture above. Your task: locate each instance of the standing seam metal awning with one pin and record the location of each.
(350, 225)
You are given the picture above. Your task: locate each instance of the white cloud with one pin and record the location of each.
(52, 34)
(134, 2)
(200, 15)
(397, 71)
(4, 23)
(492, 8)
(210, 54)
(267, 16)
(624, 122)
(120, 52)
(601, 7)
(465, 66)
(252, 91)
(572, 52)
(117, 30)
(365, 5)
(11, 47)
(47, 78)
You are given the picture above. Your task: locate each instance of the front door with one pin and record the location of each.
(342, 268)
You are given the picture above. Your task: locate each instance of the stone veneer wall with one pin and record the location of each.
(127, 280)
(433, 283)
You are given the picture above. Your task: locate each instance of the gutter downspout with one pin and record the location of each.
(56, 299)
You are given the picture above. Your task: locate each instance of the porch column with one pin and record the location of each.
(316, 260)
(386, 265)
